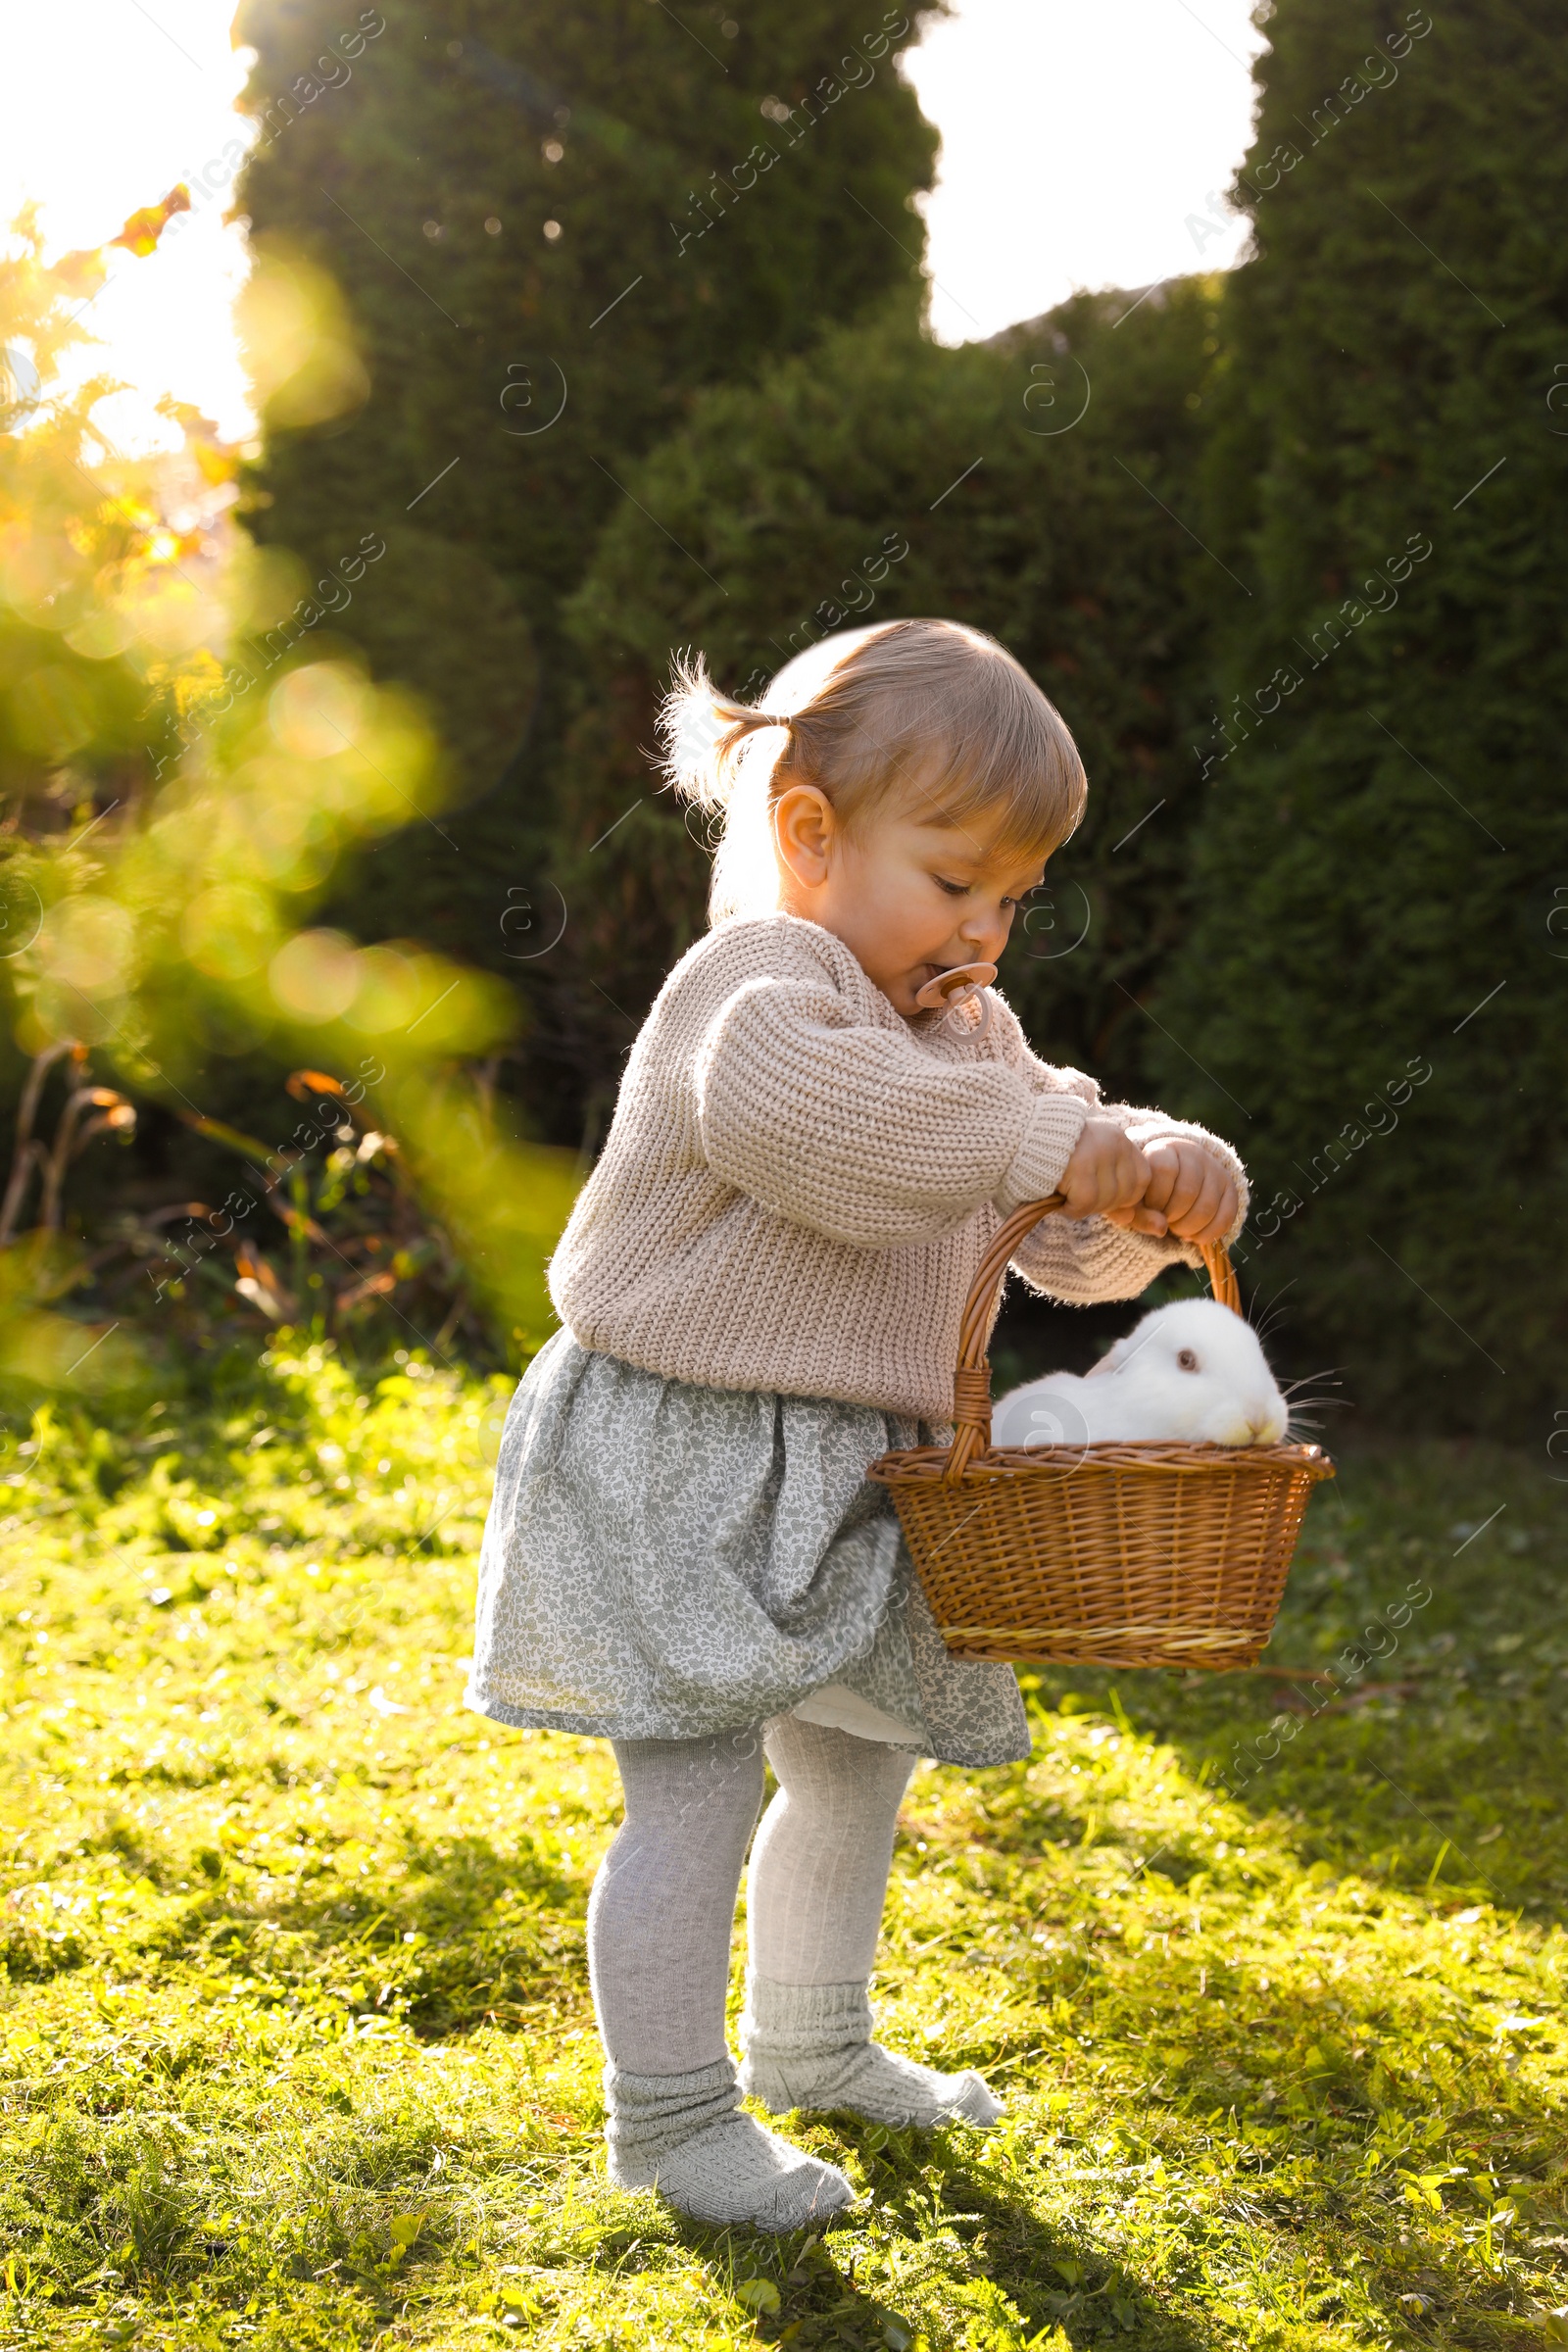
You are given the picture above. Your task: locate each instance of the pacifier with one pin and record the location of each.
(953, 990)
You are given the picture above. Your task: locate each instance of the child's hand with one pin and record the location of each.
(1107, 1176)
(1174, 1187)
(1190, 1192)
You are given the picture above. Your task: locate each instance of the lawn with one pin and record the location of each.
(295, 2041)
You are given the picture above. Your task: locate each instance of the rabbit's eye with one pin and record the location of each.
(1187, 1361)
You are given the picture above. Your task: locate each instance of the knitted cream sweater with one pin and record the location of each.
(799, 1184)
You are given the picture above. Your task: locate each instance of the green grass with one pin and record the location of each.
(295, 2041)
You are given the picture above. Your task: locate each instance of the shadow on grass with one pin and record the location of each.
(462, 1935)
(1429, 1759)
(1001, 2260)
(465, 1936)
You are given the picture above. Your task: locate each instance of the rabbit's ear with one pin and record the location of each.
(1110, 1362)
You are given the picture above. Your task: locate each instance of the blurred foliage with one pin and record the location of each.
(186, 753)
(354, 1238)
(90, 569)
(1381, 877)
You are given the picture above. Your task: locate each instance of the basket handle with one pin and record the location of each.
(971, 1382)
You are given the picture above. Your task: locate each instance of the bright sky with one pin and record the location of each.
(1083, 145)
(104, 106)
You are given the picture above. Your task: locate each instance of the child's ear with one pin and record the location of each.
(803, 830)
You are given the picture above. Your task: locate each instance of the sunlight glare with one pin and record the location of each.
(1081, 147)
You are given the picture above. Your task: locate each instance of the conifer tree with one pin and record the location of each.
(551, 225)
(1372, 996)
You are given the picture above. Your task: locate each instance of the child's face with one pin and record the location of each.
(908, 899)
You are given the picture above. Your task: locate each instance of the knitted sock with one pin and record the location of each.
(660, 1922)
(814, 1896)
(820, 1860)
(680, 2133)
(663, 1907)
(809, 2045)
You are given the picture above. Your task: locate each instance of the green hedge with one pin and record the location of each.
(1385, 833)
(1016, 486)
(719, 197)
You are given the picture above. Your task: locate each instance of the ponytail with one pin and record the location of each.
(707, 737)
(703, 732)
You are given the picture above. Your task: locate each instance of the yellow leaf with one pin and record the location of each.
(143, 230)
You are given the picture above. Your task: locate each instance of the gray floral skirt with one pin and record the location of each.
(663, 1561)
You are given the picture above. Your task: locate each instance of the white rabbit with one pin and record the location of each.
(1192, 1371)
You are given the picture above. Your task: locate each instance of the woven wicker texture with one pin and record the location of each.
(1111, 1555)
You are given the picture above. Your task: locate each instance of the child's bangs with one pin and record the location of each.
(1021, 800)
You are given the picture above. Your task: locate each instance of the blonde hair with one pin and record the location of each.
(928, 713)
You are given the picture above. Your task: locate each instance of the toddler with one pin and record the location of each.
(760, 1290)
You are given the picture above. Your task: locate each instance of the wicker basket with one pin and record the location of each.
(1107, 1554)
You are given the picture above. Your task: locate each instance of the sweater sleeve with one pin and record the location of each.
(1084, 1260)
(854, 1132)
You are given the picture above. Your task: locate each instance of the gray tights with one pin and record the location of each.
(663, 1909)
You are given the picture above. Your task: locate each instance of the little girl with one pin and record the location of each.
(761, 1289)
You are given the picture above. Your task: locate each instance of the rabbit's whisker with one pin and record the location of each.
(1269, 1313)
